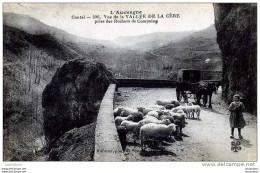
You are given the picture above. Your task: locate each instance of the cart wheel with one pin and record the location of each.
(185, 97)
(205, 99)
(179, 96)
(195, 98)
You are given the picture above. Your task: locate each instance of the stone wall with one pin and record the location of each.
(107, 143)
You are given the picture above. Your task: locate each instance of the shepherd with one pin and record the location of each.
(236, 118)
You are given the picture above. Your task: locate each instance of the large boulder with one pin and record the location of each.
(73, 97)
(236, 36)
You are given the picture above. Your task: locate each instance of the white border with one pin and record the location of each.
(122, 167)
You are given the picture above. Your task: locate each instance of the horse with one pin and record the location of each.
(181, 89)
(205, 90)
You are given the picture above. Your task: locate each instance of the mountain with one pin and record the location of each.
(199, 50)
(204, 40)
(16, 41)
(36, 27)
(147, 42)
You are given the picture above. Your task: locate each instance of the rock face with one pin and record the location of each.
(75, 145)
(236, 27)
(72, 98)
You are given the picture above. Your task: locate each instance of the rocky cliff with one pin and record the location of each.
(236, 26)
(72, 98)
(75, 145)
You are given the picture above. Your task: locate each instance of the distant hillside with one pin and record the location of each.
(204, 40)
(17, 41)
(36, 27)
(196, 51)
(146, 42)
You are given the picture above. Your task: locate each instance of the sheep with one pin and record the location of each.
(167, 102)
(132, 127)
(163, 117)
(179, 126)
(137, 116)
(176, 103)
(155, 121)
(119, 119)
(155, 131)
(165, 112)
(197, 110)
(170, 106)
(144, 110)
(129, 125)
(178, 116)
(148, 116)
(156, 113)
(174, 109)
(177, 121)
(163, 102)
(192, 109)
(180, 111)
(180, 108)
(128, 111)
(158, 107)
(117, 111)
(153, 113)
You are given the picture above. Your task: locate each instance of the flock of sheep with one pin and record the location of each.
(156, 122)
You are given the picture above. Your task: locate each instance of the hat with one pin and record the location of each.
(237, 95)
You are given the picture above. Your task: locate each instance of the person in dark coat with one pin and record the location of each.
(236, 118)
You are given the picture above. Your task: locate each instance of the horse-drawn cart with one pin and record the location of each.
(190, 85)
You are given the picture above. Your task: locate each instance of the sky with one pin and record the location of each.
(193, 16)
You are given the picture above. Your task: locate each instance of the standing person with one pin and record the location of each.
(236, 118)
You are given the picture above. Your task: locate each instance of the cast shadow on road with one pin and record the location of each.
(157, 153)
(210, 110)
(195, 118)
(184, 135)
(244, 142)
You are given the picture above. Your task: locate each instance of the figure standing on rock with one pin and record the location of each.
(236, 118)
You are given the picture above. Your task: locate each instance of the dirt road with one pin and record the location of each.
(207, 139)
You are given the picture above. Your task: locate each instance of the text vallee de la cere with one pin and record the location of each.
(128, 15)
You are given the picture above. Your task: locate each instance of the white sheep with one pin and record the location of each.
(197, 110)
(118, 120)
(155, 114)
(145, 110)
(127, 111)
(148, 116)
(192, 109)
(155, 121)
(180, 108)
(164, 117)
(158, 107)
(170, 106)
(166, 112)
(133, 127)
(137, 116)
(174, 114)
(117, 111)
(155, 131)
(180, 111)
(175, 103)
(163, 102)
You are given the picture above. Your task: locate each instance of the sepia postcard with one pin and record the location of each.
(130, 82)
